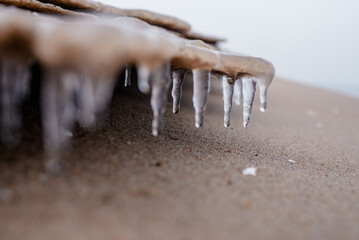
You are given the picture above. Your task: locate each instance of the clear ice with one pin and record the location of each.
(238, 94)
(178, 76)
(128, 75)
(201, 88)
(227, 99)
(161, 81)
(249, 89)
(58, 112)
(61, 89)
(263, 89)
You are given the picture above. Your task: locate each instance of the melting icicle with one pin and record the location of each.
(249, 89)
(263, 89)
(103, 90)
(238, 94)
(14, 81)
(160, 84)
(58, 97)
(128, 75)
(58, 114)
(201, 84)
(178, 76)
(143, 78)
(93, 93)
(227, 99)
(86, 102)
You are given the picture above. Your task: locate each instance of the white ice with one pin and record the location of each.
(143, 78)
(238, 94)
(250, 171)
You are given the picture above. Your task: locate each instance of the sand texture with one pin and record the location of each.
(121, 182)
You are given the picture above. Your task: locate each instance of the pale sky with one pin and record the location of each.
(315, 42)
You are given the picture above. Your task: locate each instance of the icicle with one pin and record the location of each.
(227, 99)
(263, 96)
(201, 81)
(86, 102)
(160, 84)
(14, 87)
(209, 84)
(58, 114)
(238, 94)
(143, 78)
(249, 89)
(128, 75)
(178, 76)
(103, 90)
(93, 93)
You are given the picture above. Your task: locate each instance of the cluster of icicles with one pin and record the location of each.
(81, 59)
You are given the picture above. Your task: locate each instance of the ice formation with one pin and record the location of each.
(82, 55)
(178, 76)
(228, 89)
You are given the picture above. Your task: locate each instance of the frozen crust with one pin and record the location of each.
(107, 45)
(41, 7)
(147, 16)
(206, 38)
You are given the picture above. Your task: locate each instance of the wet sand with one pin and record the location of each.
(121, 182)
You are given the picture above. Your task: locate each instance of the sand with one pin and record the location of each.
(121, 182)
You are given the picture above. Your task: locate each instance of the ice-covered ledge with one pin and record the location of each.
(82, 56)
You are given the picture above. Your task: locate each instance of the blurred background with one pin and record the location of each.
(311, 42)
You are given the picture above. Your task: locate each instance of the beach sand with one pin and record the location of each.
(120, 182)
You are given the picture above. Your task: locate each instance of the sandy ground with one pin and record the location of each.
(121, 182)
